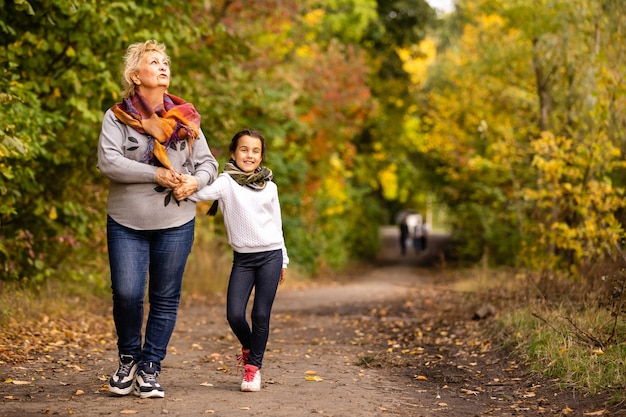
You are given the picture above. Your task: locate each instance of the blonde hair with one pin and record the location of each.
(132, 60)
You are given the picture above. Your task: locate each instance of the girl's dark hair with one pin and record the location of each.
(247, 132)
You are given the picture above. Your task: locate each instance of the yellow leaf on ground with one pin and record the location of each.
(595, 413)
(567, 411)
(16, 382)
(310, 373)
(314, 378)
(129, 412)
(421, 378)
(469, 391)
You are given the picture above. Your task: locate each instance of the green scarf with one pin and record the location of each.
(256, 179)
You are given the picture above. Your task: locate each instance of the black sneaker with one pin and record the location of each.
(146, 385)
(121, 383)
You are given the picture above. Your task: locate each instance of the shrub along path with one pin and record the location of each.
(390, 338)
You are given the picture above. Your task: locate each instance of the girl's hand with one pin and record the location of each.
(188, 185)
(283, 272)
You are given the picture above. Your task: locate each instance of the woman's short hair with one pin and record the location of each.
(132, 59)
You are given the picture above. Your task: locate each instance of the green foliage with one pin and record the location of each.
(306, 85)
(347, 20)
(57, 74)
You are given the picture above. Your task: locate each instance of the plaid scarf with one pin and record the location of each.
(175, 121)
(256, 179)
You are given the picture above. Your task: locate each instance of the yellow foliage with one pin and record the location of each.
(334, 188)
(389, 181)
(416, 63)
(314, 17)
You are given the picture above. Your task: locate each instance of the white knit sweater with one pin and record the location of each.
(252, 217)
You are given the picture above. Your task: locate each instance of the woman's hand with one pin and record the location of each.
(283, 273)
(167, 178)
(188, 184)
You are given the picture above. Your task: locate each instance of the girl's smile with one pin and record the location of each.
(248, 155)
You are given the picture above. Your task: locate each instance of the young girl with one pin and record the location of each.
(249, 202)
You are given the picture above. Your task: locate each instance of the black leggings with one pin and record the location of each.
(260, 271)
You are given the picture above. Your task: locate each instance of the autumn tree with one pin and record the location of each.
(517, 113)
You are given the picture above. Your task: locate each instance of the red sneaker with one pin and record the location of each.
(251, 379)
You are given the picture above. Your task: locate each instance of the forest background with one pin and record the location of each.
(505, 115)
(502, 120)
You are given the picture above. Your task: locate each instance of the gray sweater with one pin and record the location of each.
(135, 199)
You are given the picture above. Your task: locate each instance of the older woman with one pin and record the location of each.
(150, 146)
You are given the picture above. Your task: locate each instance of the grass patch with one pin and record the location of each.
(568, 343)
(573, 336)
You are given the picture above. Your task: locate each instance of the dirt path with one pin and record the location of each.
(393, 340)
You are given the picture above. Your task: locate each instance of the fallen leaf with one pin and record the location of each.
(206, 384)
(244, 408)
(16, 382)
(79, 392)
(209, 411)
(129, 412)
(567, 411)
(595, 413)
(421, 378)
(310, 372)
(314, 378)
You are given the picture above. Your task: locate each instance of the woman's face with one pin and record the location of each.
(248, 155)
(153, 72)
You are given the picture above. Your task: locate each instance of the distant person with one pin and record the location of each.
(249, 201)
(404, 231)
(414, 224)
(424, 235)
(150, 146)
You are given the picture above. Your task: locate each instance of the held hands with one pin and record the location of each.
(183, 185)
(188, 184)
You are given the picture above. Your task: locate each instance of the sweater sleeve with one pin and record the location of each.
(111, 160)
(213, 191)
(205, 165)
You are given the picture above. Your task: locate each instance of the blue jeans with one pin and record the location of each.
(135, 256)
(260, 271)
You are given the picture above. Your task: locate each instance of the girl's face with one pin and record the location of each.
(153, 72)
(248, 155)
